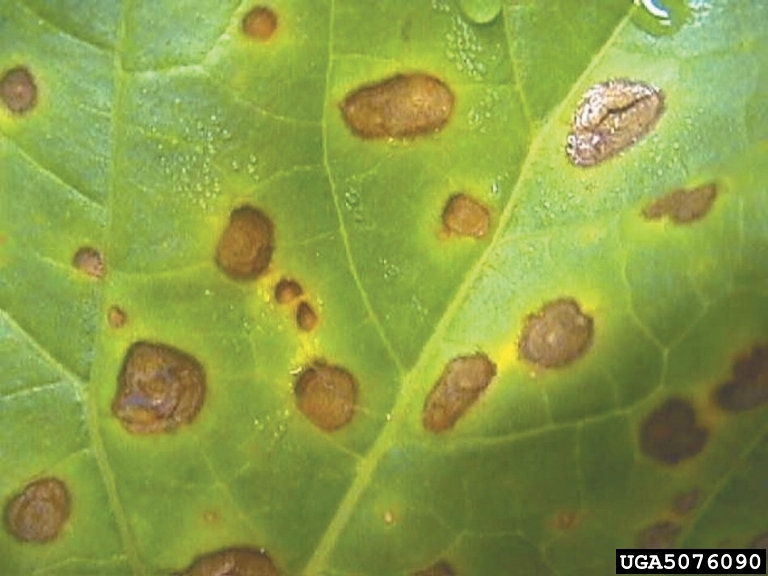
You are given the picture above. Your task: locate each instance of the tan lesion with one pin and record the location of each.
(38, 513)
(401, 106)
(465, 216)
(683, 206)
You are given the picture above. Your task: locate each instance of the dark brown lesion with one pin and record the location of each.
(39, 512)
(748, 386)
(245, 247)
(18, 90)
(306, 317)
(460, 385)
(402, 106)
(683, 206)
(662, 535)
(557, 335)
(671, 434)
(287, 291)
(326, 395)
(160, 388)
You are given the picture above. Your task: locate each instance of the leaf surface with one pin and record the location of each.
(154, 121)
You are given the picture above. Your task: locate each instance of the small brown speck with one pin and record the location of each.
(116, 317)
(18, 90)
(287, 291)
(89, 261)
(260, 23)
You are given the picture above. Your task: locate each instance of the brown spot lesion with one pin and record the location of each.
(241, 561)
(260, 23)
(89, 261)
(566, 520)
(686, 502)
(245, 247)
(611, 117)
(160, 388)
(748, 386)
(671, 433)
(287, 291)
(326, 395)
(683, 206)
(306, 317)
(460, 385)
(117, 317)
(39, 512)
(18, 90)
(402, 106)
(465, 216)
(557, 335)
(662, 535)
(439, 568)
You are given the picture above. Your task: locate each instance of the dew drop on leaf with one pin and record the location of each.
(39, 512)
(260, 23)
(670, 434)
(246, 244)
(287, 291)
(306, 317)
(159, 389)
(661, 535)
(465, 216)
(462, 382)
(326, 395)
(683, 206)
(748, 386)
(18, 90)
(441, 568)
(405, 105)
(557, 335)
(89, 261)
(233, 562)
(481, 11)
(610, 118)
(661, 17)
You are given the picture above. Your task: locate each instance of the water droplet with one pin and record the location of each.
(661, 17)
(441, 6)
(351, 199)
(464, 50)
(481, 11)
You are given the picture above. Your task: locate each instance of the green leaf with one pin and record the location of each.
(146, 124)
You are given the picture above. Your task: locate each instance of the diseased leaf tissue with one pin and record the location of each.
(415, 289)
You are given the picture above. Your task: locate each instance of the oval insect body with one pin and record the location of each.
(610, 118)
